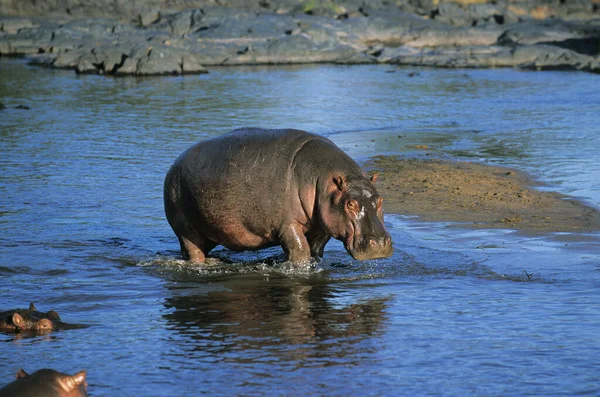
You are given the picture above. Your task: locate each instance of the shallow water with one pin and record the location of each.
(453, 312)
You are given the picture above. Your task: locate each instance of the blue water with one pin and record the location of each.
(453, 312)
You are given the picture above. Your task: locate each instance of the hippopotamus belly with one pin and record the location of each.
(254, 188)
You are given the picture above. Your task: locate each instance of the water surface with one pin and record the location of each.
(452, 312)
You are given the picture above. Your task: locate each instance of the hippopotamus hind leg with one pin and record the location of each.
(195, 248)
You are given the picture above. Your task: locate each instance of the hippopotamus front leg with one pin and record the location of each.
(294, 244)
(317, 239)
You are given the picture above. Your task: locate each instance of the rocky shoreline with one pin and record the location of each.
(158, 37)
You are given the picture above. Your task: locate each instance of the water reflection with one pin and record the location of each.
(285, 319)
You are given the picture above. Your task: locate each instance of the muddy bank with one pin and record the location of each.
(154, 37)
(478, 195)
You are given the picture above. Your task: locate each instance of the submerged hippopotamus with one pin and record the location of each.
(32, 320)
(46, 383)
(254, 188)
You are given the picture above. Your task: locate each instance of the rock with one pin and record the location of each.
(108, 60)
(536, 57)
(134, 38)
(391, 31)
(451, 56)
(486, 12)
(178, 24)
(45, 60)
(129, 67)
(452, 14)
(160, 61)
(454, 37)
(534, 32)
(581, 38)
(326, 8)
(245, 26)
(546, 57)
(69, 59)
(190, 64)
(28, 41)
(87, 64)
(148, 17)
(595, 65)
(12, 25)
(5, 47)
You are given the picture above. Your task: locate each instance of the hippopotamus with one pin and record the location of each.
(254, 188)
(47, 383)
(31, 320)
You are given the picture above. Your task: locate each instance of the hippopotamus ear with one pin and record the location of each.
(75, 381)
(52, 315)
(374, 177)
(18, 320)
(79, 378)
(22, 374)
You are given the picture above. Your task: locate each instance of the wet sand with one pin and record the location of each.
(476, 195)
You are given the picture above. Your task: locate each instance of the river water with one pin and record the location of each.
(453, 312)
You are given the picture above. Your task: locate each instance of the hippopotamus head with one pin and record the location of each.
(32, 320)
(47, 382)
(353, 214)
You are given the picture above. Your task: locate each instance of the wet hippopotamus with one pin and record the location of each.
(254, 188)
(46, 383)
(31, 320)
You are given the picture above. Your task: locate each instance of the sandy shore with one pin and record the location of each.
(478, 195)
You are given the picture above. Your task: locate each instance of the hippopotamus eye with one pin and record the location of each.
(44, 324)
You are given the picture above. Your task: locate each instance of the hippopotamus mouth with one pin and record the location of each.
(370, 248)
(363, 247)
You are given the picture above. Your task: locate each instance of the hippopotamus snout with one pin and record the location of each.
(367, 237)
(381, 244)
(372, 247)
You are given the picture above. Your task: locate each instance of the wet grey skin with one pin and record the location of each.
(255, 188)
(46, 383)
(32, 320)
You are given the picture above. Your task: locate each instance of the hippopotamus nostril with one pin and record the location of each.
(387, 241)
(372, 242)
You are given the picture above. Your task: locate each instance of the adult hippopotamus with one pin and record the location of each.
(32, 320)
(254, 188)
(47, 383)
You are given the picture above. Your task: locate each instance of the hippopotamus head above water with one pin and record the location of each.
(355, 216)
(48, 383)
(32, 320)
(254, 188)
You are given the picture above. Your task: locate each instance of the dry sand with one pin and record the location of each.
(478, 195)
